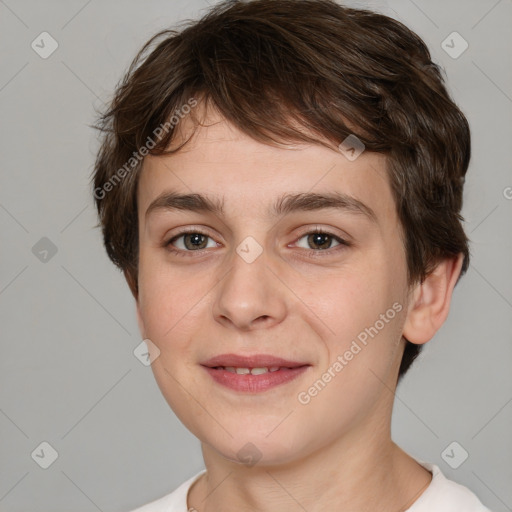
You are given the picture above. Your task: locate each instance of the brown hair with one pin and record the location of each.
(272, 67)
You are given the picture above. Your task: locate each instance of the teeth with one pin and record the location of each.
(252, 371)
(259, 371)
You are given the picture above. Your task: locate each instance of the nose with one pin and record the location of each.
(249, 297)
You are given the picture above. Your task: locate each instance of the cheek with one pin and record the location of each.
(362, 357)
(349, 300)
(171, 310)
(363, 310)
(167, 299)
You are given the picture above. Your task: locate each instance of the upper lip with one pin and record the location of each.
(254, 361)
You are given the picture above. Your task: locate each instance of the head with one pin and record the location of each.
(238, 118)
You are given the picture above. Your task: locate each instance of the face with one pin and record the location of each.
(288, 260)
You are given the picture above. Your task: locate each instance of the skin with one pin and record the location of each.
(295, 301)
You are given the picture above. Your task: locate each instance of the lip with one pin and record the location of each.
(254, 361)
(288, 371)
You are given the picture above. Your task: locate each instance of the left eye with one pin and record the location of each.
(192, 242)
(319, 241)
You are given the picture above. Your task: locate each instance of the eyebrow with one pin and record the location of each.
(312, 201)
(189, 202)
(288, 203)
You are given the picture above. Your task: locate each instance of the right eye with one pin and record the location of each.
(191, 241)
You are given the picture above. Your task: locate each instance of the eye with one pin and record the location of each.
(319, 241)
(192, 241)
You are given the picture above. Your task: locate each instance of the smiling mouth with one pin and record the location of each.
(256, 361)
(252, 374)
(252, 371)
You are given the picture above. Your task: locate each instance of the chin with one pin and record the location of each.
(250, 447)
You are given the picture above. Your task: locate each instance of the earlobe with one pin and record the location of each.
(430, 301)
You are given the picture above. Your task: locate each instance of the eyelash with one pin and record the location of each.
(312, 252)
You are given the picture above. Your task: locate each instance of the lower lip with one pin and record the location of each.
(255, 383)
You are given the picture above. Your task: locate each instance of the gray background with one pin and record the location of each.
(68, 373)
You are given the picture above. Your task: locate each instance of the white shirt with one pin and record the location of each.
(442, 495)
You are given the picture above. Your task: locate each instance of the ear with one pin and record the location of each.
(132, 283)
(430, 303)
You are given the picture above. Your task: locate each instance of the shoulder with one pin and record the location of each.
(445, 495)
(176, 501)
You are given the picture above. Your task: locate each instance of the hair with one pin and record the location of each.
(310, 71)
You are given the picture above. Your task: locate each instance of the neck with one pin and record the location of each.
(346, 475)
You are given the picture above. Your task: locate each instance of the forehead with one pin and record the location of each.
(246, 175)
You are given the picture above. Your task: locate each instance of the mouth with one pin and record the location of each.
(247, 371)
(254, 373)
